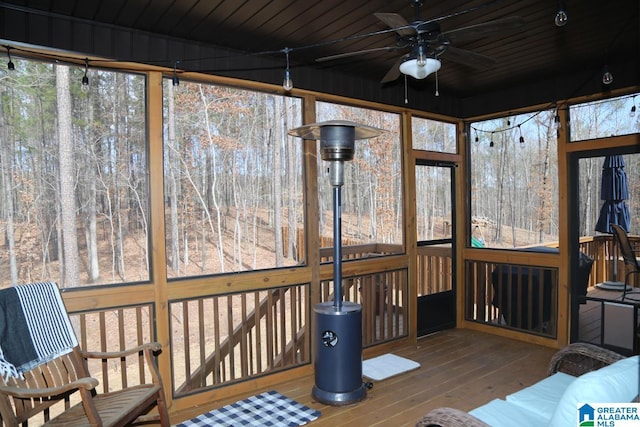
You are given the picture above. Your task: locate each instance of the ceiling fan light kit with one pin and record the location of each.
(413, 68)
(425, 42)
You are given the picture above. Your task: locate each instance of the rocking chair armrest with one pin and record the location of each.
(87, 383)
(147, 347)
(449, 417)
(579, 358)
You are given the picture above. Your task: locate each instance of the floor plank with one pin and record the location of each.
(459, 368)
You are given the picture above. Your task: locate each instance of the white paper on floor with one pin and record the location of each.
(386, 366)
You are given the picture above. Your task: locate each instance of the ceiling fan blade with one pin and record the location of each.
(469, 58)
(394, 72)
(397, 22)
(359, 52)
(477, 31)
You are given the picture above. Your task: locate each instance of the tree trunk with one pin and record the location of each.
(173, 187)
(91, 197)
(6, 165)
(278, 140)
(292, 185)
(67, 178)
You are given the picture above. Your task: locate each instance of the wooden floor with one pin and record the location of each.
(459, 368)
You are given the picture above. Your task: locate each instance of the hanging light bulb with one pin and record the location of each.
(287, 83)
(10, 64)
(521, 137)
(421, 57)
(491, 141)
(561, 16)
(85, 78)
(607, 77)
(175, 80)
(632, 112)
(477, 139)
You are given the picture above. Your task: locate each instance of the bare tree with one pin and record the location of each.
(67, 178)
(7, 192)
(276, 142)
(172, 172)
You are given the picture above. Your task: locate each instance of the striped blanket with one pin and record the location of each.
(34, 327)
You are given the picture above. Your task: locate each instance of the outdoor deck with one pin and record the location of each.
(619, 332)
(459, 368)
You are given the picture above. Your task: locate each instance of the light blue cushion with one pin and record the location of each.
(499, 413)
(543, 396)
(616, 383)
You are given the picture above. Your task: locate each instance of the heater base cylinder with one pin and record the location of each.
(339, 399)
(338, 354)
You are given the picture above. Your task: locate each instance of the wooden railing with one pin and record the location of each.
(116, 329)
(514, 296)
(354, 251)
(217, 340)
(435, 267)
(383, 297)
(222, 339)
(603, 250)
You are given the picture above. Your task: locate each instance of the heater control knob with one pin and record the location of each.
(329, 339)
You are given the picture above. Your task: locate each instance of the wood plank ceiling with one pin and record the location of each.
(597, 33)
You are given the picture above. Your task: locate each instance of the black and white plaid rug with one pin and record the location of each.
(266, 409)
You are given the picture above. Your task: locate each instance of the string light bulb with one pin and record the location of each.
(85, 78)
(632, 112)
(521, 137)
(561, 17)
(175, 80)
(287, 83)
(10, 64)
(491, 141)
(607, 77)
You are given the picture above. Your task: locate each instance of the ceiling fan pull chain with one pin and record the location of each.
(406, 96)
(437, 93)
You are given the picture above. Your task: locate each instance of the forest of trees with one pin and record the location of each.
(73, 165)
(514, 172)
(75, 189)
(232, 178)
(514, 179)
(74, 177)
(372, 193)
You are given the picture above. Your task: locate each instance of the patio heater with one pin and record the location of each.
(338, 324)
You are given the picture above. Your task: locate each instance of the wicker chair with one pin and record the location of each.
(575, 359)
(59, 382)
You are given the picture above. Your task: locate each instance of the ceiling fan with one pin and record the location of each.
(426, 43)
